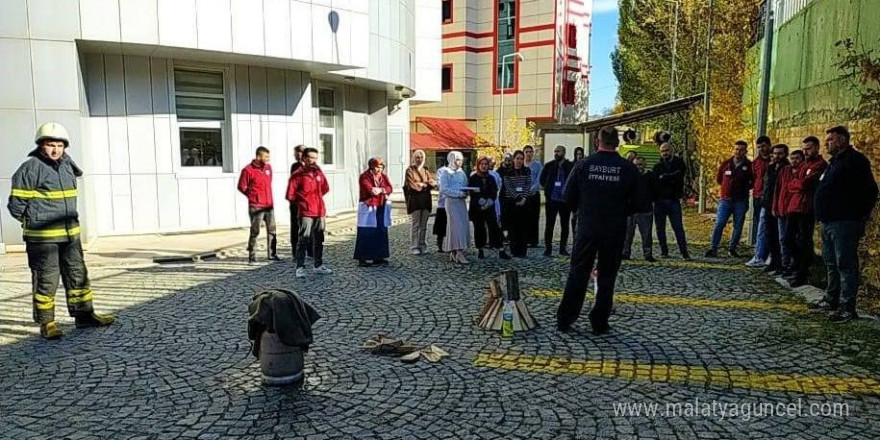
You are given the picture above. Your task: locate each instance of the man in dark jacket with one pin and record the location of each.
(774, 221)
(758, 232)
(43, 199)
(255, 182)
(553, 176)
(669, 177)
(602, 188)
(644, 213)
(845, 197)
(736, 179)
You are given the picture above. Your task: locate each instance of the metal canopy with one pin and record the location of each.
(642, 113)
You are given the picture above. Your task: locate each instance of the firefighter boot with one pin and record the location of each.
(94, 320)
(50, 330)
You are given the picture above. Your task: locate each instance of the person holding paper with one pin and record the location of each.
(374, 216)
(453, 185)
(487, 234)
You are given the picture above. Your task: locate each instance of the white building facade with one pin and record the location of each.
(166, 100)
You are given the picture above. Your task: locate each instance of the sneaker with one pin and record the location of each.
(50, 330)
(563, 328)
(416, 252)
(843, 317)
(712, 253)
(94, 320)
(755, 263)
(364, 263)
(274, 258)
(380, 262)
(252, 260)
(686, 257)
(733, 253)
(821, 306)
(650, 259)
(323, 270)
(771, 269)
(300, 272)
(665, 256)
(795, 283)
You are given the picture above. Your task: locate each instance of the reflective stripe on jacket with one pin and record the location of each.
(43, 198)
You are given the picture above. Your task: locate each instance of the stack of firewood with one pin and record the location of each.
(505, 287)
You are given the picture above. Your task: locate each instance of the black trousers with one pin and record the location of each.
(440, 227)
(486, 229)
(258, 216)
(607, 248)
(533, 219)
(48, 262)
(553, 208)
(799, 239)
(517, 229)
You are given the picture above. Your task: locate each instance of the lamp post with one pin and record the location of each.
(701, 206)
(503, 88)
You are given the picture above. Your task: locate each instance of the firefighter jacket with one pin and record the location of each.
(43, 198)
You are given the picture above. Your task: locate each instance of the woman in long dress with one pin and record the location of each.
(453, 180)
(371, 247)
(515, 189)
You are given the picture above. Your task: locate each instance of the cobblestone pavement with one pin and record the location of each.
(177, 364)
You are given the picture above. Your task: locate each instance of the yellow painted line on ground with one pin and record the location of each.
(635, 298)
(687, 265)
(689, 375)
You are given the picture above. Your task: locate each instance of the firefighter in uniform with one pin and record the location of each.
(602, 189)
(43, 199)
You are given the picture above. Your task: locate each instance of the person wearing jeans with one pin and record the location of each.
(644, 214)
(307, 187)
(669, 185)
(759, 227)
(736, 178)
(846, 196)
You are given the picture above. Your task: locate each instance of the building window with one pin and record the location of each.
(568, 92)
(447, 11)
(329, 108)
(506, 30)
(572, 36)
(446, 78)
(200, 101)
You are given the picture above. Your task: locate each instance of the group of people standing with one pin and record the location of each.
(791, 191)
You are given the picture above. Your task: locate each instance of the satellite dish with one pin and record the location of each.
(629, 136)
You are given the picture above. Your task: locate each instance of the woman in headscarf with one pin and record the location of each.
(374, 215)
(515, 189)
(417, 191)
(453, 180)
(482, 209)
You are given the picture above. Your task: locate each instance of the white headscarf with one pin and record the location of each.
(450, 159)
(413, 159)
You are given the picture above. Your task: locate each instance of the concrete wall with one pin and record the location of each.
(808, 91)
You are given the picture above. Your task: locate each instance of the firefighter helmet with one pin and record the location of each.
(52, 131)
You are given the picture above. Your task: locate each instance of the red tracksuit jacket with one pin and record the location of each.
(306, 188)
(256, 183)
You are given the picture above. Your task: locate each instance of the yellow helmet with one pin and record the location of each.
(54, 131)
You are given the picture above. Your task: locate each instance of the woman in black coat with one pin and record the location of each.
(482, 210)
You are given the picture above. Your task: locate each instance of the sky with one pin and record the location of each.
(603, 84)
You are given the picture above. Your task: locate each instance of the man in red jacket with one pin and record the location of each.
(801, 217)
(306, 188)
(736, 179)
(256, 183)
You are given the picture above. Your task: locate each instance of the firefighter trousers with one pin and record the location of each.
(48, 262)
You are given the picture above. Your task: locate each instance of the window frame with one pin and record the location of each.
(337, 131)
(451, 12)
(451, 83)
(225, 126)
(514, 17)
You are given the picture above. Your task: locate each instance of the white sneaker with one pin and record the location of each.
(416, 252)
(323, 270)
(300, 272)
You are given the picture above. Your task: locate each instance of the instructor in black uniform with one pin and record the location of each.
(602, 189)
